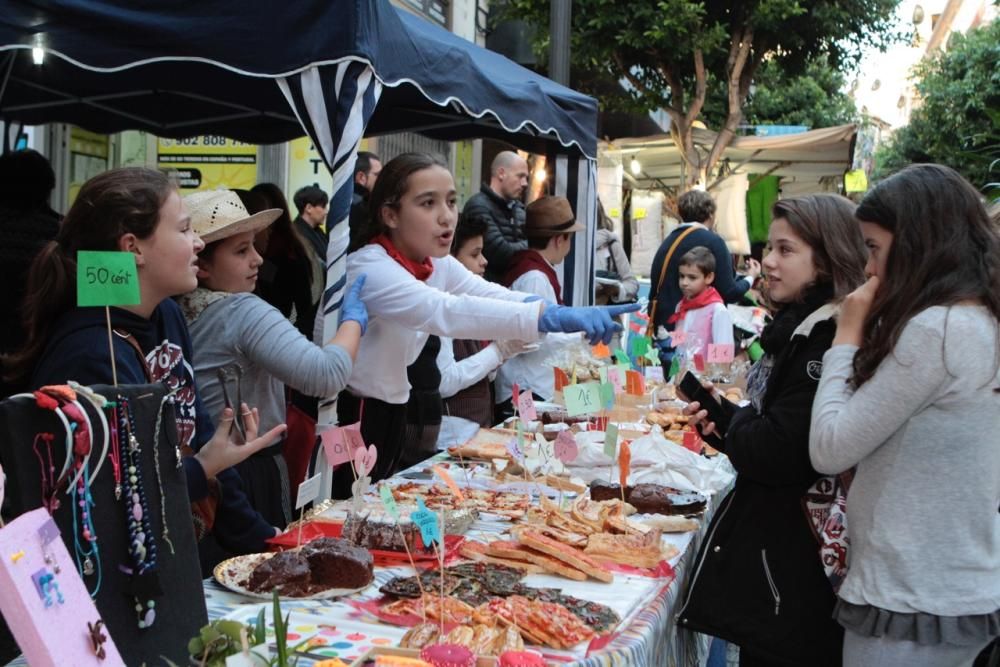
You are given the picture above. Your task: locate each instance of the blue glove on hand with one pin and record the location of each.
(597, 322)
(353, 308)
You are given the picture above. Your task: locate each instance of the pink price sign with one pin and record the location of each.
(723, 353)
(526, 406)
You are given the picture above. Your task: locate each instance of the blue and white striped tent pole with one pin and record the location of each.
(334, 104)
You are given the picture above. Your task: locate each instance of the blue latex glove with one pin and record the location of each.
(595, 321)
(353, 308)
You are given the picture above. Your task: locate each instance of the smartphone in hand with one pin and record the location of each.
(692, 390)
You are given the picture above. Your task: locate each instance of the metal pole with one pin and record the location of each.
(559, 23)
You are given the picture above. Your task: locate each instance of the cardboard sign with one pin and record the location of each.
(723, 353)
(601, 351)
(388, 501)
(582, 399)
(607, 396)
(358, 490)
(427, 522)
(639, 345)
(615, 378)
(566, 447)
(634, 383)
(624, 462)
(340, 442)
(526, 407)
(561, 379)
(692, 441)
(364, 460)
(106, 279)
(611, 441)
(308, 491)
(654, 373)
(516, 451)
(449, 482)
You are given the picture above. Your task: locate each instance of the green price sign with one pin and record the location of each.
(106, 279)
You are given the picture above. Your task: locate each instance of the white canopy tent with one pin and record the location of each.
(813, 161)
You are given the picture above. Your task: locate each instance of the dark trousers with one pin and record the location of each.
(383, 425)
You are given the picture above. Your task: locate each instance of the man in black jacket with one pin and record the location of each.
(499, 206)
(366, 170)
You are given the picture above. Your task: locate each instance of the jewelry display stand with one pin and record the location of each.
(180, 607)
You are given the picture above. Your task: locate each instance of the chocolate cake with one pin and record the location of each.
(380, 532)
(287, 572)
(336, 563)
(658, 499)
(601, 490)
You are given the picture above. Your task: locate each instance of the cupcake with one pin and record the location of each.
(448, 655)
(521, 659)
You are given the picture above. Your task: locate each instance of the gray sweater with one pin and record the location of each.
(247, 330)
(924, 433)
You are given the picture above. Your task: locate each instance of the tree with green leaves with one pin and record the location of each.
(957, 122)
(671, 51)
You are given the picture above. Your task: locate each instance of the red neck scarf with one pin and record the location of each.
(706, 298)
(419, 270)
(531, 260)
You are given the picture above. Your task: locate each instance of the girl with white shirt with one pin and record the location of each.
(414, 288)
(910, 396)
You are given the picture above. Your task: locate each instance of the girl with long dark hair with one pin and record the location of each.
(759, 581)
(910, 395)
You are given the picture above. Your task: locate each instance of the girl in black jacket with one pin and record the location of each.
(758, 580)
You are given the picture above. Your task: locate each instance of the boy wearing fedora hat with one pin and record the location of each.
(549, 227)
(247, 346)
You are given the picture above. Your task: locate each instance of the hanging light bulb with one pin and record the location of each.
(37, 52)
(635, 167)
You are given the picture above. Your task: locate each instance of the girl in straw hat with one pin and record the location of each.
(234, 329)
(139, 211)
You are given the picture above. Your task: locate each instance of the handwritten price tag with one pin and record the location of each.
(515, 451)
(601, 351)
(615, 378)
(610, 441)
(582, 399)
(678, 337)
(335, 446)
(624, 462)
(692, 441)
(106, 279)
(654, 373)
(427, 523)
(388, 501)
(639, 345)
(652, 356)
(722, 353)
(561, 379)
(449, 482)
(566, 447)
(526, 407)
(621, 357)
(358, 490)
(634, 383)
(607, 396)
(364, 459)
(308, 490)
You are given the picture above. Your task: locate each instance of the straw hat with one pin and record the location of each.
(219, 214)
(550, 216)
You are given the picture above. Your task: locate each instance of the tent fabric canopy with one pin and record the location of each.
(805, 159)
(117, 64)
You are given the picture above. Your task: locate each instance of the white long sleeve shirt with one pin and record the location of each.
(533, 370)
(457, 375)
(403, 311)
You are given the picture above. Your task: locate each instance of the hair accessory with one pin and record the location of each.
(48, 470)
(97, 638)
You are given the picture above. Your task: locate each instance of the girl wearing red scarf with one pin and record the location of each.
(415, 288)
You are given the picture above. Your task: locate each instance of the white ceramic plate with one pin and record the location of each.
(233, 572)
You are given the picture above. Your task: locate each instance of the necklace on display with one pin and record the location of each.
(144, 585)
